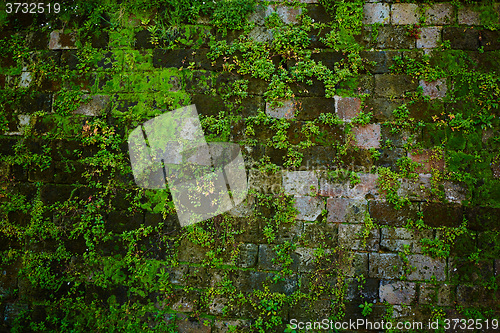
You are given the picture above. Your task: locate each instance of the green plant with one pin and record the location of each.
(366, 308)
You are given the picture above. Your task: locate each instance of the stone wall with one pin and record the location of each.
(388, 211)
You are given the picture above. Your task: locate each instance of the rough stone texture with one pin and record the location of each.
(455, 192)
(358, 265)
(61, 41)
(395, 240)
(267, 259)
(434, 89)
(404, 13)
(495, 168)
(346, 210)
(300, 182)
(350, 237)
(462, 38)
(428, 160)
(367, 136)
(367, 187)
(393, 37)
(187, 324)
(384, 213)
(430, 37)
(390, 85)
(468, 16)
(306, 259)
(96, 106)
(347, 107)
(265, 182)
(226, 326)
(287, 14)
(248, 255)
(376, 13)
(440, 14)
(385, 266)
(286, 111)
(309, 207)
(441, 295)
(320, 234)
(437, 214)
(417, 190)
(426, 267)
(397, 292)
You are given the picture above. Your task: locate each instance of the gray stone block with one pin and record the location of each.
(346, 210)
(426, 267)
(441, 295)
(300, 182)
(404, 13)
(376, 13)
(397, 292)
(440, 14)
(248, 255)
(350, 237)
(310, 208)
(385, 266)
(396, 239)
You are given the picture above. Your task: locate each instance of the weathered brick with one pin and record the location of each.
(300, 182)
(390, 85)
(385, 266)
(309, 207)
(350, 237)
(267, 259)
(430, 37)
(367, 188)
(248, 255)
(439, 214)
(441, 295)
(287, 110)
(95, 106)
(397, 239)
(397, 292)
(306, 259)
(367, 136)
(454, 192)
(357, 265)
(287, 14)
(61, 41)
(363, 291)
(393, 37)
(404, 13)
(320, 234)
(495, 169)
(426, 267)
(265, 182)
(347, 107)
(328, 58)
(376, 13)
(346, 210)
(489, 40)
(428, 160)
(384, 213)
(382, 108)
(474, 295)
(440, 14)
(418, 190)
(468, 16)
(462, 38)
(434, 89)
(311, 107)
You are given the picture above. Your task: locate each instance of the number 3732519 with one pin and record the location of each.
(32, 8)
